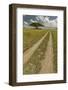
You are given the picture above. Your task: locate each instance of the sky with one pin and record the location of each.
(47, 21)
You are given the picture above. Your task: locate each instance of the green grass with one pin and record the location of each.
(54, 35)
(31, 36)
(34, 64)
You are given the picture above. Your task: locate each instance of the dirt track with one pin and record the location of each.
(47, 63)
(30, 51)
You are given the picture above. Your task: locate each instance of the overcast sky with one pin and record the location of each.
(47, 21)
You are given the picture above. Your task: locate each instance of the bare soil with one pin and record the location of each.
(47, 65)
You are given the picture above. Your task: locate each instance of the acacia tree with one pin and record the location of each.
(36, 24)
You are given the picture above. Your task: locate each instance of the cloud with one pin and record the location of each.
(31, 20)
(46, 21)
(40, 19)
(53, 23)
(26, 24)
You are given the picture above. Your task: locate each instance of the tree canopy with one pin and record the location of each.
(36, 25)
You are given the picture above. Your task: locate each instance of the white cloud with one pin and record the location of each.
(40, 19)
(26, 24)
(46, 21)
(31, 20)
(53, 23)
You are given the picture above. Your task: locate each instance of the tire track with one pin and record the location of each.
(30, 51)
(47, 65)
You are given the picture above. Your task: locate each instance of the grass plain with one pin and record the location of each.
(54, 35)
(31, 36)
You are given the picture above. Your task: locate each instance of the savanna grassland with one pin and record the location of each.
(31, 36)
(54, 35)
(40, 39)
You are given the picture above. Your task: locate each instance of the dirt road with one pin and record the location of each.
(30, 51)
(47, 63)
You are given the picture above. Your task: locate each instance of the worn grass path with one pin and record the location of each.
(47, 63)
(30, 51)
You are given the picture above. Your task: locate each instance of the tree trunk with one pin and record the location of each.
(36, 27)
